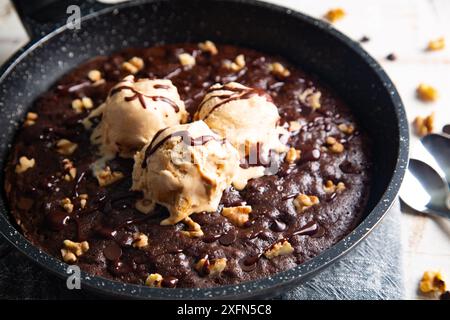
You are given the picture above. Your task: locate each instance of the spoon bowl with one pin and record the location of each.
(424, 190)
(438, 146)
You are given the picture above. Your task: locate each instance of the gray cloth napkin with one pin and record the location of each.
(373, 270)
(370, 271)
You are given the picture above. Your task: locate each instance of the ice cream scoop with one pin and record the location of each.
(185, 168)
(248, 118)
(133, 112)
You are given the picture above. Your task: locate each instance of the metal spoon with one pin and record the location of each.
(424, 190)
(439, 147)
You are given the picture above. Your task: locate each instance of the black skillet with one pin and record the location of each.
(312, 44)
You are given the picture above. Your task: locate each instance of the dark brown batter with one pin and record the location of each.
(109, 219)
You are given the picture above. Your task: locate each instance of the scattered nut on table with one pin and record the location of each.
(427, 93)
(433, 281)
(437, 44)
(334, 15)
(424, 125)
(238, 215)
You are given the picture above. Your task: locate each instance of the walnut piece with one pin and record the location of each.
(427, 93)
(106, 177)
(437, 44)
(65, 147)
(334, 15)
(24, 164)
(71, 171)
(134, 65)
(280, 248)
(154, 280)
(193, 228)
(237, 215)
(311, 98)
(67, 204)
(30, 119)
(72, 250)
(433, 281)
(208, 46)
(303, 202)
(140, 240)
(330, 187)
(79, 105)
(210, 267)
(238, 64)
(424, 126)
(278, 69)
(292, 155)
(186, 60)
(333, 145)
(94, 75)
(346, 128)
(83, 200)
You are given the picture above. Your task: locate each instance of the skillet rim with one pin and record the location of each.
(262, 287)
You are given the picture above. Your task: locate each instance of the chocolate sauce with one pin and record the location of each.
(141, 97)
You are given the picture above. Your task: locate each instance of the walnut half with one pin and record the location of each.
(213, 267)
(280, 248)
(237, 215)
(72, 250)
(433, 281)
(193, 228)
(303, 202)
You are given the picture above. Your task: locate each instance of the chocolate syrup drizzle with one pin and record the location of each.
(141, 96)
(186, 139)
(236, 94)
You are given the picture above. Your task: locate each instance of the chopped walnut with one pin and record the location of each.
(186, 60)
(303, 202)
(427, 93)
(437, 44)
(83, 200)
(333, 145)
(330, 187)
(310, 98)
(208, 46)
(134, 65)
(346, 128)
(280, 248)
(294, 126)
(65, 147)
(94, 75)
(334, 15)
(237, 215)
(79, 105)
(193, 228)
(30, 119)
(433, 281)
(106, 177)
(71, 171)
(24, 164)
(67, 204)
(72, 250)
(238, 64)
(424, 126)
(154, 280)
(140, 240)
(210, 267)
(279, 70)
(292, 155)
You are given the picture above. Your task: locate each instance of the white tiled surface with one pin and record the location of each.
(403, 27)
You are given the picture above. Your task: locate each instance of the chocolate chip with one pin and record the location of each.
(364, 39)
(391, 57)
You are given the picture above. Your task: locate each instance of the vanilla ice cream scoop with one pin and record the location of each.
(248, 118)
(185, 168)
(133, 112)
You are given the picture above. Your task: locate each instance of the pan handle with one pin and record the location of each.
(41, 17)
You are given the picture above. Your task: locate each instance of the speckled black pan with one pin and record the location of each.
(313, 44)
